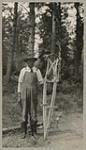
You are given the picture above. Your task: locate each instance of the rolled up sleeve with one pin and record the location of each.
(20, 80)
(39, 76)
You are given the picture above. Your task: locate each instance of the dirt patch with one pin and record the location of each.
(67, 136)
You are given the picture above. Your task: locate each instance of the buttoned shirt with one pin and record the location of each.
(22, 72)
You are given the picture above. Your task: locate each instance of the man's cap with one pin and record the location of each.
(30, 57)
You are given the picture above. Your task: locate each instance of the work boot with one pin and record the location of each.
(24, 129)
(35, 127)
(32, 127)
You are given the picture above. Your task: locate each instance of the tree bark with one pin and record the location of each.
(12, 51)
(79, 39)
(32, 29)
(53, 30)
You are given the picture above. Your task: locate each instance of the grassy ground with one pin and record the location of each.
(67, 135)
(69, 98)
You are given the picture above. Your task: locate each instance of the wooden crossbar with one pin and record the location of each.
(51, 67)
(50, 107)
(47, 106)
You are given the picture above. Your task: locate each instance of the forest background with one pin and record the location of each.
(39, 28)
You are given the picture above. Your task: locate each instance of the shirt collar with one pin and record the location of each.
(28, 68)
(34, 68)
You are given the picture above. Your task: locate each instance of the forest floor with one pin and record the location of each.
(67, 135)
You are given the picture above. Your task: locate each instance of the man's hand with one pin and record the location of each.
(19, 100)
(19, 97)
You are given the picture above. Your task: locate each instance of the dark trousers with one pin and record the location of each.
(30, 107)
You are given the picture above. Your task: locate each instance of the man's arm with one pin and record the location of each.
(20, 80)
(39, 76)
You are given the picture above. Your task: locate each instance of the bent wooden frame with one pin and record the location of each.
(47, 118)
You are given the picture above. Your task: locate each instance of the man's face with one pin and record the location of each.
(37, 63)
(24, 64)
(30, 63)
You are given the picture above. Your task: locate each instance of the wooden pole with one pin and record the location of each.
(44, 109)
(51, 110)
(45, 102)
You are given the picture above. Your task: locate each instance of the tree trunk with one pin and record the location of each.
(32, 29)
(12, 51)
(79, 39)
(53, 36)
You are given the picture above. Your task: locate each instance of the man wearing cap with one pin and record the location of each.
(29, 79)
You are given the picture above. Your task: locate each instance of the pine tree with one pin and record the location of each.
(11, 54)
(32, 28)
(79, 39)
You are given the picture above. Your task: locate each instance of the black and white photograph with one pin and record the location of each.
(42, 75)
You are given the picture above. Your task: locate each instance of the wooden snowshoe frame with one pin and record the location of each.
(55, 66)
